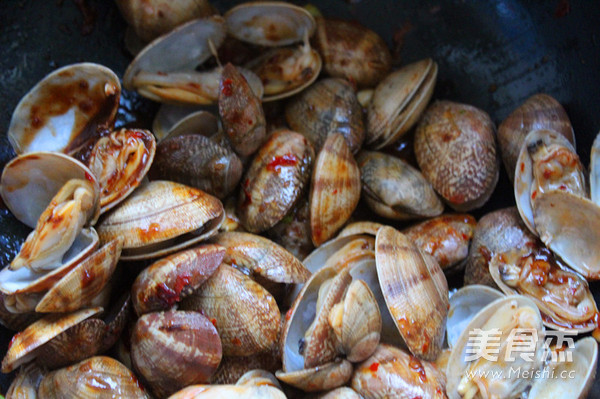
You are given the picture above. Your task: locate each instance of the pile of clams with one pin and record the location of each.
(263, 239)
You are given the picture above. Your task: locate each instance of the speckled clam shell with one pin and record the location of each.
(334, 190)
(98, 377)
(165, 282)
(455, 146)
(159, 217)
(320, 378)
(539, 111)
(245, 314)
(415, 291)
(261, 256)
(174, 349)
(275, 180)
(327, 107)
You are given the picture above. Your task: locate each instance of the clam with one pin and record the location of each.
(445, 237)
(464, 305)
(415, 291)
(327, 107)
(595, 171)
(352, 51)
(341, 393)
(271, 24)
(162, 217)
(26, 383)
(575, 378)
(547, 162)
(392, 372)
(334, 189)
(171, 115)
(168, 280)
(15, 321)
(120, 161)
(540, 111)
(188, 157)
(286, 71)
(498, 231)
(394, 189)
(257, 255)
(398, 102)
(174, 349)
(258, 377)
(365, 227)
(244, 313)
(64, 111)
(24, 344)
(320, 378)
(513, 318)
(150, 19)
(563, 296)
(241, 112)
(275, 179)
(228, 391)
(455, 147)
(568, 225)
(293, 231)
(97, 377)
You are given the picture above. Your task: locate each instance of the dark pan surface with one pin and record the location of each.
(492, 54)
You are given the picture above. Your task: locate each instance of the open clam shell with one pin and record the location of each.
(162, 217)
(63, 111)
(415, 291)
(569, 226)
(270, 23)
(171, 115)
(30, 181)
(547, 162)
(120, 161)
(398, 102)
(80, 285)
(464, 305)
(23, 345)
(514, 316)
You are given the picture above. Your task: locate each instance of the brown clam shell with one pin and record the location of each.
(391, 372)
(275, 180)
(26, 383)
(327, 107)
(165, 282)
(293, 231)
(540, 111)
(157, 218)
(415, 291)
(174, 349)
(244, 313)
(445, 237)
(456, 150)
(320, 378)
(83, 283)
(334, 189)
(351, 51)
(496, 232)
(120, 161)
(97, 377)
(261, 256)
(241, 112)
(15, 321)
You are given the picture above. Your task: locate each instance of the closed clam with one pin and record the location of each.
(415, 291)
(241, 112)
(352, 51)
(97, 377)
(167, 281)
(327, 107)
(150, 19)
(174, 349)
(563, 296)
(120, 161)
(275, 179)
(393, 372)
(496, 232)
(162, 217)
(539, 111)
(446, 238)
(64, 110)
(394, 189)
(455, 146)
(244, 313)
(334, 189)
(398, 102)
